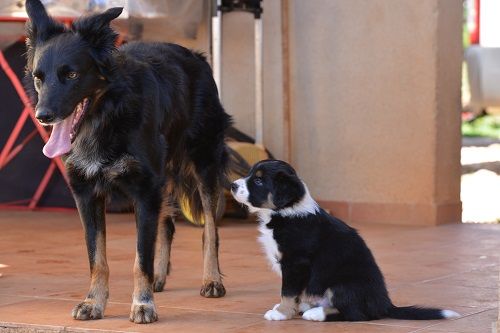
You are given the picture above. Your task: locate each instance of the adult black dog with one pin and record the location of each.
(144, 119)
(323, 262)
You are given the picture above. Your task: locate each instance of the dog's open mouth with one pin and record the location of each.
(64, 132)
(80, 110)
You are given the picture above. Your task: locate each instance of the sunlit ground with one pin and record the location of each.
(2, 266)
(480, 192)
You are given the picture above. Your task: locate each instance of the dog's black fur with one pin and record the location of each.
(317, 253)
(153, 129)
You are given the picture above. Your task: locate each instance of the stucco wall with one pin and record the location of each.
(448, 95)
(375, 102)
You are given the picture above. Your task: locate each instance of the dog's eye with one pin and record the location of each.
(257, 181)
(38, 82)
(72, 75)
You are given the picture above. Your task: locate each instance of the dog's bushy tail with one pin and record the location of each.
(419, 313)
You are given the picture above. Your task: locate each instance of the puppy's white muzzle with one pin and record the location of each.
(239, 190)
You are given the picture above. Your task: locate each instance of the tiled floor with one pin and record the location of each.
(453, 266)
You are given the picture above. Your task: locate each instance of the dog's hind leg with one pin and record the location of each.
(212, 280)
(147, 207)
(166, 230)
(91, 209)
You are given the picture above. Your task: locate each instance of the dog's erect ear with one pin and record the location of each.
(288, 189)
(40, 27)
(95, 29)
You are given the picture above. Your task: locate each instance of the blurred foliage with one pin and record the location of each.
(487, 126)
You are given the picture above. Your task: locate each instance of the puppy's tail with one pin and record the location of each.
(418, 313)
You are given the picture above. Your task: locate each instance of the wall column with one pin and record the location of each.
(376, 107)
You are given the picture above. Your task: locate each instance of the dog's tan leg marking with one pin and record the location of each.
(164, 244)
(143, 308)
(212, 280)
(162, 266)
(93, 306)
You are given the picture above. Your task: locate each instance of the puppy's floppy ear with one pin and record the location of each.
(287, 189)
(39, 28)
(96, 31)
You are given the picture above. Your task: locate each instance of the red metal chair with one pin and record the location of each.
(10, 149)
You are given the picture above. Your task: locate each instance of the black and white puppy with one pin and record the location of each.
(328, 272)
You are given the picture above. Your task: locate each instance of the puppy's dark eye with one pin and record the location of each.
(72, 75)
(257, 181)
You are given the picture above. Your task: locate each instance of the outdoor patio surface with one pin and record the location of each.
(451, 266)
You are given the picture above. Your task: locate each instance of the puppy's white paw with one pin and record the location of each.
(275, 315)
(303, 307)
(315, 314)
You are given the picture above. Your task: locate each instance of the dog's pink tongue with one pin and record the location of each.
(60, 139)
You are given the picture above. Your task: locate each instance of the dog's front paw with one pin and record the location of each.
(213, 289)
(274, 314)
(143, 313)
(315, 314)
(88, 310)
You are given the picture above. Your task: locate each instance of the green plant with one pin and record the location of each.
(487, 126)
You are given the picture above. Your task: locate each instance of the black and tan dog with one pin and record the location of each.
(327, 270)
(144, 120)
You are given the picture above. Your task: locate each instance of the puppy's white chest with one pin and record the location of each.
(270, 246)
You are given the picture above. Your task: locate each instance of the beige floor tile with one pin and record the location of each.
(479, 322)
(454, 266)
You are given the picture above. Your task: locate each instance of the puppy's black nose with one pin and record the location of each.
(234, 187)
(44, 115)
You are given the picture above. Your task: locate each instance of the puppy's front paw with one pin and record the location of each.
(275, 314)
(315, 314)
(143, 313)
(303, 307)
(87, 310)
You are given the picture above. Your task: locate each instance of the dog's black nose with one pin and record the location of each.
(234, 187)
(44, 115)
